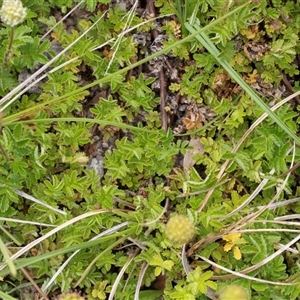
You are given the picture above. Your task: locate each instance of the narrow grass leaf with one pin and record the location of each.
(212, 49)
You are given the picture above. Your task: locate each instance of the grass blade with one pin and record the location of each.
(212, 49)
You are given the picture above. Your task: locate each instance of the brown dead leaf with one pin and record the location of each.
(194, 122)
(255, 50)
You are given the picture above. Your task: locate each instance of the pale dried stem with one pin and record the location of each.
(121, 273)
(140, 280)
(263, 262)
(26, 222)
(115, 47)
(240, 274)
(240, 223)
(147, 224)
(53, 231)
(251, 197)
(247, 133)
(26, 274)
(62, 267)
(253, 216)
(39, 71)
(60, 21)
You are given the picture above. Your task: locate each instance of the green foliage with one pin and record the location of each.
(160, 264)
(109, 110)
(137, 95)
(197, 284)
(45, 179)
(146, 155)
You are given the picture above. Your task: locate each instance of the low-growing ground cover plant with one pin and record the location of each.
(149, 150)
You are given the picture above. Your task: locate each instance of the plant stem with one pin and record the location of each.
(11, 38)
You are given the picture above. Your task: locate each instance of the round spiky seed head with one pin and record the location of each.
(12, 12)
(233, 292)
(71, 296)
(179, 230)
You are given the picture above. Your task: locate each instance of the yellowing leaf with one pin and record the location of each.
(252, 78)
(232, 237)
(232, 240)
(156, 261)
(228, 246)
(237, 253)
(55, 36)
(168, 264)
(157, 271)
